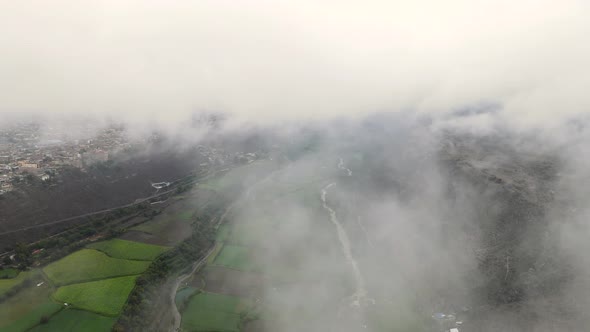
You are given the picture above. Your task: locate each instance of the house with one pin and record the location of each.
(28, 165)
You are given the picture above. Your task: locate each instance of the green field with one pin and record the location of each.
(199, 319)
(32, 317)
(129, 249)
(8, 273)
(25, 309)
(213, 312)
(222, 233)
(183, 294)
(88, 265)
(235, 257)
(7, 284)
(72, 320)
(104, 296)
(219, 302)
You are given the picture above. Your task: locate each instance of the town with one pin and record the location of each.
(32, 150)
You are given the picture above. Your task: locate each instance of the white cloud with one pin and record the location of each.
(286, 59)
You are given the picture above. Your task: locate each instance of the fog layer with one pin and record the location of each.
(156, 62)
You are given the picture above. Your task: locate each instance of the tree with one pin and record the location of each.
(7, 260)
(23, 254)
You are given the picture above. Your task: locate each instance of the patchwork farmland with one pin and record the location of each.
(214, 312)
(84, 291)
(105, 297)
(123, 249)
(88, 289)
(89, 265)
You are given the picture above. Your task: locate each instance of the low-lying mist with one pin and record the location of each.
(382, 222)
(379, 224)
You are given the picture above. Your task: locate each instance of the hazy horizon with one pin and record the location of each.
(269, 61)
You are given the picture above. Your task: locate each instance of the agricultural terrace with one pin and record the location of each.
(87, 265)
(105, 297)
(123, 249)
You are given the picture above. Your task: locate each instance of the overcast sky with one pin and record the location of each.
(295, 59)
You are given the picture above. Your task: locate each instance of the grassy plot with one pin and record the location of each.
(25, 309)
(32, 317)
(219, 302)
(215, 253)
(213, 312)
(7, 284)
(235, 257)
(183, 295)
(105, 297)
(198, 319)
(72, 320)
(222, 233)
(129, 249)
(87, 265)
(8, 273)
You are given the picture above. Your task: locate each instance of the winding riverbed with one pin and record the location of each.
(360, 293)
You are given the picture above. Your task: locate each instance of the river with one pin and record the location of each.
(360, 293)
